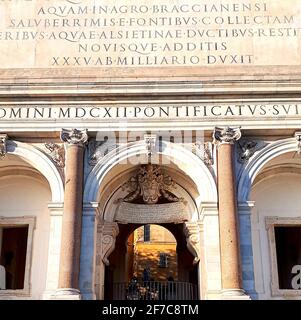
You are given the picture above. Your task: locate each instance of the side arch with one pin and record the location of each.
(251, 172)
(252, 169)
(42, 163)
(42, 166)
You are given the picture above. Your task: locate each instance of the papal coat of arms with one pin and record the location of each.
(150, 184)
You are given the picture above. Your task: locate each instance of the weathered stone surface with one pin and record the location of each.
(113, 35)
(151, 213)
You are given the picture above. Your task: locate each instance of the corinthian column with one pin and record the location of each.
(227, 207)
(72, 215)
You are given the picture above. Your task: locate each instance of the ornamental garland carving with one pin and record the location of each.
(98, 149)
(56, 153)
(298, 139)
(247, 150)
(150, 184)
(204, 151)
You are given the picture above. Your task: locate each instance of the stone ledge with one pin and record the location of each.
(234, 294)
(66, 294)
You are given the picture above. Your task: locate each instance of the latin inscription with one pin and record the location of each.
(149, 111)
(81, 33)
(154, 213)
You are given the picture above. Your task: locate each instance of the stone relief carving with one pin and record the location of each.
(150, 184)
(74, 136)
(107, 232)
(192, 233)
(298, 138)
(205, 152)
(98, 149)
(150, 142)
(247, 148)
(57, 153)
(226, 135)
(3, 141)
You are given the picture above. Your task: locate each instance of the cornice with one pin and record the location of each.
(127, 88)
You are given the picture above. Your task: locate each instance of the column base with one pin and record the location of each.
(234, 294)
(88, 295)
(66, 294)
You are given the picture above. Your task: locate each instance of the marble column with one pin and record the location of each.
(72, 216)
(227, 207)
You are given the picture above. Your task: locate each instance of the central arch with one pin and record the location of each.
(179, 155)
(103, 187)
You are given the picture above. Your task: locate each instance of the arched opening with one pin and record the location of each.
(151, 262)
(150, 195)
(276, 226)
(24, 228)
(195, 189)
(31, 189)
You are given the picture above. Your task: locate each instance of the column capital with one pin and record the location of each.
(74, 136)
(226, 135)
(3, 141)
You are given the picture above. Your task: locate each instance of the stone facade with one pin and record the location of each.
(143, 123)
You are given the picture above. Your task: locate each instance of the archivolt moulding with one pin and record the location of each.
(267, 154)
(40, 162)
(196, 170)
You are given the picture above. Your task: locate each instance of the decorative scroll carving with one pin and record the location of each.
(74, 136)
(192, 233)
(150, 142)
(204, 152)
(56, 153)
(226, 135)
(151, 184)
(98, 149)
(108, 231)
(3, 141)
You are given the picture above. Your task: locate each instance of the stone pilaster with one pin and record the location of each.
(88, 247)
(72, 215)
(228, 219)
(52, 279)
